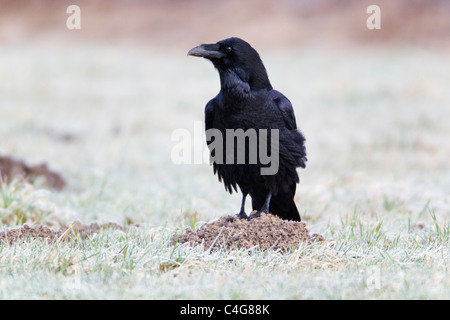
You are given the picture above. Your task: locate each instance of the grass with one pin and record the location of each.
(376, 185)
(362, 259)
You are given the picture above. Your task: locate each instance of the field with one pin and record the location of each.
(376, 184)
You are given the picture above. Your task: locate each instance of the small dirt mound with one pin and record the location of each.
(267, 231)
(40, 231)
(11, 168)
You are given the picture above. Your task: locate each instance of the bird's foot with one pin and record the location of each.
(257, 214)
(240, 215)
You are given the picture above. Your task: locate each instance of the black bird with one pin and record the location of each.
(247, 101)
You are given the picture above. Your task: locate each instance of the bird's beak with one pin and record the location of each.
(209, 51)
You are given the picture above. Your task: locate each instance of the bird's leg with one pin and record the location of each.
(241, 214)
(264, 209)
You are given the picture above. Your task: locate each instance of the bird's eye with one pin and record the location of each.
(228, 49)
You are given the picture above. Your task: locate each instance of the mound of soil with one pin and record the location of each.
(267, 232)
(40, 231)
(11, 168)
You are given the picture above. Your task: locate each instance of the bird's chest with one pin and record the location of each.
(248, 114)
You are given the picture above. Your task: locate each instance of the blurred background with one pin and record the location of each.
(275, 24)
(99, 104)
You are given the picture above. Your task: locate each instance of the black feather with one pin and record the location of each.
(247, 101)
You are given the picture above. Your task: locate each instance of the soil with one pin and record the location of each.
(267, 232)
(65, 232)
(11, 168)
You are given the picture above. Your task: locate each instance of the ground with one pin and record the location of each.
(375, 186)
(266, 232)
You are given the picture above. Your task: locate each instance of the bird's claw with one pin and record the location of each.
(240, 215)
(257, 214)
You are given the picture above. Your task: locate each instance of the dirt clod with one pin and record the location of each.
(11, 168)
(267, 231)
(65, 232)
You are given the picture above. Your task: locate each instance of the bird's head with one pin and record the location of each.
(235, 57)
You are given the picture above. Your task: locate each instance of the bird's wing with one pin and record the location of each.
(295, 141)
(285, 106)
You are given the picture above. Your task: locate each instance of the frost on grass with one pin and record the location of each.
(266, 232)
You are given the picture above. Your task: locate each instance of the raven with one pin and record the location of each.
(247, 101)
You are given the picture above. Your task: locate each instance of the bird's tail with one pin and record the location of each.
(282, 204)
